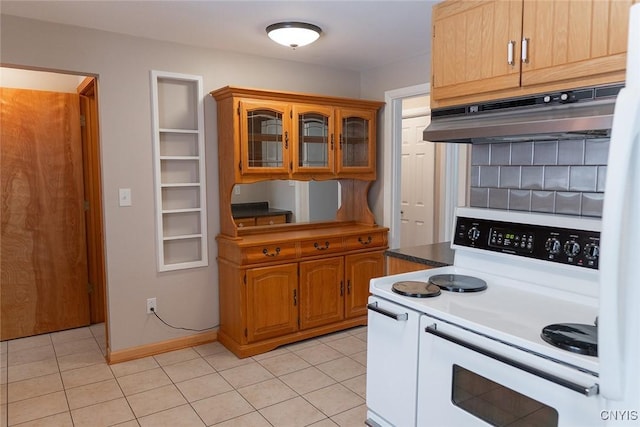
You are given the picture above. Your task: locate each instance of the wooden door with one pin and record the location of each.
(470, 47)
(321, 292)
(574, 39)
(272, 301)
(43, 248)
(418, 203)
(359, 270)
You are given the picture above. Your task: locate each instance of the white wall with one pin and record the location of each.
(186, 298)
(374, 83)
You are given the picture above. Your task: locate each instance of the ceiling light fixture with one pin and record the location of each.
(293, 34)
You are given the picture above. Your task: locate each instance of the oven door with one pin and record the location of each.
(392, 362)
(465, 379)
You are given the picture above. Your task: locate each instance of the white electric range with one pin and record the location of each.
(477, 356)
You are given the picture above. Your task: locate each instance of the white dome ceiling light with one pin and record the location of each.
(293, 34)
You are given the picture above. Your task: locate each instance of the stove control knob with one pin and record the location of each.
(474, 233)
(592, 251)
(571, 248)
(553, 245)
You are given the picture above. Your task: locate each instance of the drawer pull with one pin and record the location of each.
(265, 251)
(365, 242)
(321, 248)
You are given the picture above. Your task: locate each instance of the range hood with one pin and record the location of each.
(577, 114)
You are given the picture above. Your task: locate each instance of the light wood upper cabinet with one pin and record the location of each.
(471, 40)
(573, 39)
(497, 49)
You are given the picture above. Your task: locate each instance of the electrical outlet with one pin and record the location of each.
(151, 305)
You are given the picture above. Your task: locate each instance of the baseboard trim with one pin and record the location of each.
(160, 347)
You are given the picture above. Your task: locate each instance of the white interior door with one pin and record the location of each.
(418, 196)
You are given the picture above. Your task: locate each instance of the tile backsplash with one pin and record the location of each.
(561, 177)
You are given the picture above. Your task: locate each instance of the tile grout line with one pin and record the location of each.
(64, 388)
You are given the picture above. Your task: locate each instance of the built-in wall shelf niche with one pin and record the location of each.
(179, 167)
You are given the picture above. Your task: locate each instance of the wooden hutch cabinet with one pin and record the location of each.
(280, 283)
(497, 49)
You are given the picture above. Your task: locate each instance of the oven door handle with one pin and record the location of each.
(395, 316)
(586, 390)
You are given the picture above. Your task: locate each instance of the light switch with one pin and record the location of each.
(125, 197)
(236, 190)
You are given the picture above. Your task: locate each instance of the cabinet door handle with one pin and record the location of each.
(331, 142)
(286, 139)
(340, 141)
(265, 251)
(525, 50)
(510, 47)
(341, 288)
(365, 242)
(295, 297)
(349, 287)
(321, 248)
(395, 316)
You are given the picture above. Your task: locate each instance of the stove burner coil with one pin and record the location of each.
(575, 337)
(415, 289)
(458, 283)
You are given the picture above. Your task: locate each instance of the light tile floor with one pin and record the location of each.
(61, 379)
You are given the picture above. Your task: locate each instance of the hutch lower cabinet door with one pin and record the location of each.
(271, 301)
(321, 292)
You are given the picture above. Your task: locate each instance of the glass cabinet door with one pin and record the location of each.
(315, 146)
(265, 137)
(356, 136)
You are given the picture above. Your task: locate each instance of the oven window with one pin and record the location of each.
(497, 404)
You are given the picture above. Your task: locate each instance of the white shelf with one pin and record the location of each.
(178, 211)
(179, 158)
(183, 236)
(190, 131)
(181, 184)
(178, 136)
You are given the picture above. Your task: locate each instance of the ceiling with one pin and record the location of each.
(357, 35)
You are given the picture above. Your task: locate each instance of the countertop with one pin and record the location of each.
(435, 255)
(249, 210)
(249, 213)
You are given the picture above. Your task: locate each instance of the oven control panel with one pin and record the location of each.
(567, 246)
